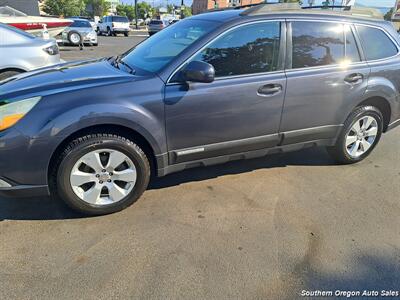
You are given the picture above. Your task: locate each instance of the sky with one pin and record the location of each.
(380, 3)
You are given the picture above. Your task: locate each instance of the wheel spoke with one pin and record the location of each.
(350, 140)
(115, 160)
(116, 193)
(128, 175)
(367, 121)
(356, 126)
(92, 159)
(354, 148)
(93, 194)
(365, 145)
(79, 178)
(372, 132)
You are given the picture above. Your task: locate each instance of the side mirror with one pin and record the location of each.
(198, 71)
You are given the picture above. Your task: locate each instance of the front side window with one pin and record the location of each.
(81, 24)
(377, 44)
(321, 44)
(248, 49)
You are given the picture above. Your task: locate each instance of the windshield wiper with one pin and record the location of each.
(117, 60)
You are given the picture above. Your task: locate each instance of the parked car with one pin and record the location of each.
(21, 52)
(156, 26)
(91, 20)
(248, 83)
(112, 25)
(79, 32)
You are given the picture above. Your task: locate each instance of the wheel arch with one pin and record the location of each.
(124, 131)
(13, 69)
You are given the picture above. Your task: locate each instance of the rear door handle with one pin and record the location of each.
(354, 78)
(269, 90)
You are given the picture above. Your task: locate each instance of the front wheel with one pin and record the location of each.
(102, 173)
(360, 135)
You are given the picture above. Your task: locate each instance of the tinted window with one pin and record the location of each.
(120, 19)
(317, 44)
(245, 50)
(377, 44)
(154, 22)
(158, 50)
(80, 23)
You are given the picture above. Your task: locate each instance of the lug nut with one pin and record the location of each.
(111, 174)
(101, 181)
(109, 180)
(103, 170)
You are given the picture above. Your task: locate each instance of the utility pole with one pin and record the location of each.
(182, 7)
(136, 15)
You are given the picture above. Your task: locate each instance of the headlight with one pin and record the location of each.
(11, 113)
(52, 50)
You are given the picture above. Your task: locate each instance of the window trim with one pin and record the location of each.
(281, 58)
(360, 46)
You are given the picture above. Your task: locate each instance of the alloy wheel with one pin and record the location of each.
(75, 38)
(103, 177)
(361, 136)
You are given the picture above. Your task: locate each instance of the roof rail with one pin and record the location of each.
(265, 8)
(352, 10)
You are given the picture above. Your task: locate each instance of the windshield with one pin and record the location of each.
(81, 23)
(157, 51)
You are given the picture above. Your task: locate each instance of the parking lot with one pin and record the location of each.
(266, 228)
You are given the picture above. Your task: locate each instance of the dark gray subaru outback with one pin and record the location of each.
(209, 89)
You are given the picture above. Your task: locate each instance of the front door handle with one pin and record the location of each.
(355, 78)
(269, 90)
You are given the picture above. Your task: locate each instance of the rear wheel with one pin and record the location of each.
(109, 32)
(102, 173)
(359, 136)
(126, 33)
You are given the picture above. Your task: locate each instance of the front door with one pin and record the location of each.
(241, 110)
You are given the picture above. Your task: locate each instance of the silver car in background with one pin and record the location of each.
(21, 52)
(79, 32)
(157, 25)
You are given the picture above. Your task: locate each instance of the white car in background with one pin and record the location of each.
(112, 25)
(21, 52)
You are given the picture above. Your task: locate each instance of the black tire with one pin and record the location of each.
(339, 152)
(109, 32)
(85, 144)
(126, 34)
(95, 44)
(8, 74)
(72, 34)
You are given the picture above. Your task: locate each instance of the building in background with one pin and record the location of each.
(200, 6)
(29, 7)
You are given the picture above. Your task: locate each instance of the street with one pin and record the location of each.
(265, 228)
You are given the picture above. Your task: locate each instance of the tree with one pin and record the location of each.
(65, 8)
(145, 10)
(389, 14)
(126, 10)
(98, 7)
(186, 11)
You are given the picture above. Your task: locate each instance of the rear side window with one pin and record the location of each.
(377, 44)
(245, 50)
(156, 22)
(321, 44)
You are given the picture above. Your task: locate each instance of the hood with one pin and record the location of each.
(63, 77)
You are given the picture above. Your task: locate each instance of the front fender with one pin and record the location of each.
(133, 117)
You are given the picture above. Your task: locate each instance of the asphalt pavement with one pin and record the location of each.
(265, 228)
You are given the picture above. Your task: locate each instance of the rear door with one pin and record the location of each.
(325, 74)
(241, 109)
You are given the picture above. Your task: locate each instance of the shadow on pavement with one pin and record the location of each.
(46, 208)
(307, 157)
